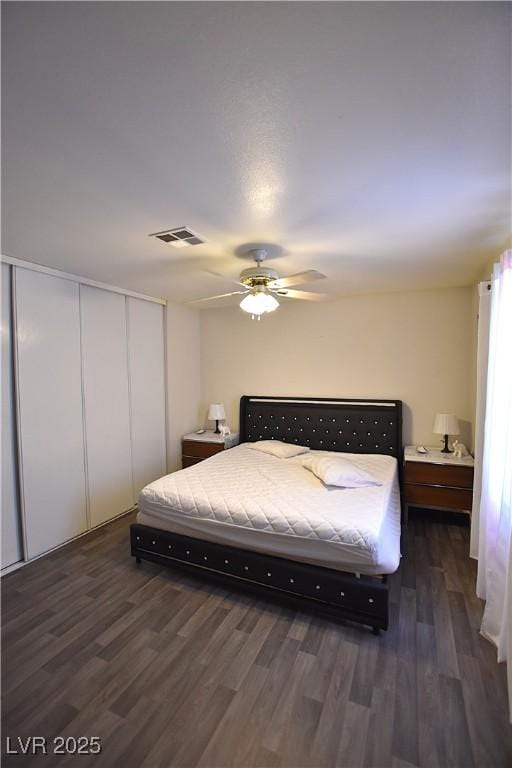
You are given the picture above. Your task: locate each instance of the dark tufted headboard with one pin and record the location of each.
(349, 426)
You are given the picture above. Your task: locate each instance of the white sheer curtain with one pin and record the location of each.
(494, 518)
(484, 319)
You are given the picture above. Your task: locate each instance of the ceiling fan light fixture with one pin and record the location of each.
(271, 302)
(258, 302)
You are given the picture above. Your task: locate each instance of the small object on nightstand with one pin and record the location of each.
(459, 450)
(200, 431)
(421, 449)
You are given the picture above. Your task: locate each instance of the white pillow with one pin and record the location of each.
(277, 448)
(339, 472)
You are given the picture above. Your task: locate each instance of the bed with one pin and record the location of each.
(270, 524)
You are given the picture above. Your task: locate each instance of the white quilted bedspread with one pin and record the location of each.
(241, 492)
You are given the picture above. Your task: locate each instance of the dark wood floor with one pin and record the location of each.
(169, 671)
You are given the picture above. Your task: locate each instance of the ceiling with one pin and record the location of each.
(370, 141)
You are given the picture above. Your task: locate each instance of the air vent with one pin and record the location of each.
(179, 237)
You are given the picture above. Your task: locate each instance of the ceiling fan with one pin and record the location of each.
(263, 284)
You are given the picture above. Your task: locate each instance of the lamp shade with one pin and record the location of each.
(258, 303)
(216, 412)
(446, 424)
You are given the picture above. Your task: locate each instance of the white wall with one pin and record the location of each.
(183, 378)
(416, 346)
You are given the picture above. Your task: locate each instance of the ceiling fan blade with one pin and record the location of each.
(288, 293)
(220, 296)
(301, 277)
(224, 277)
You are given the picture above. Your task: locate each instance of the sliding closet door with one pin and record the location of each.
(50, 414)
(147, 390)
(12, 550)
(106, 402)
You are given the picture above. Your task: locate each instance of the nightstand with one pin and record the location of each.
(196, 448)
(437, 480)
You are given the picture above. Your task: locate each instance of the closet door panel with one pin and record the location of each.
(147, 390)
(12, 549)
(106, 401)
(50, 409)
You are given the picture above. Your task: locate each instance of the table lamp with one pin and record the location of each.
(216, 412)
(446, 424)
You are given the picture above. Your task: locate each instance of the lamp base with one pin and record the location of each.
(445, 449)
(217, 430)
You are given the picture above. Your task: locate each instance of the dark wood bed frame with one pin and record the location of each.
(344, 425)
